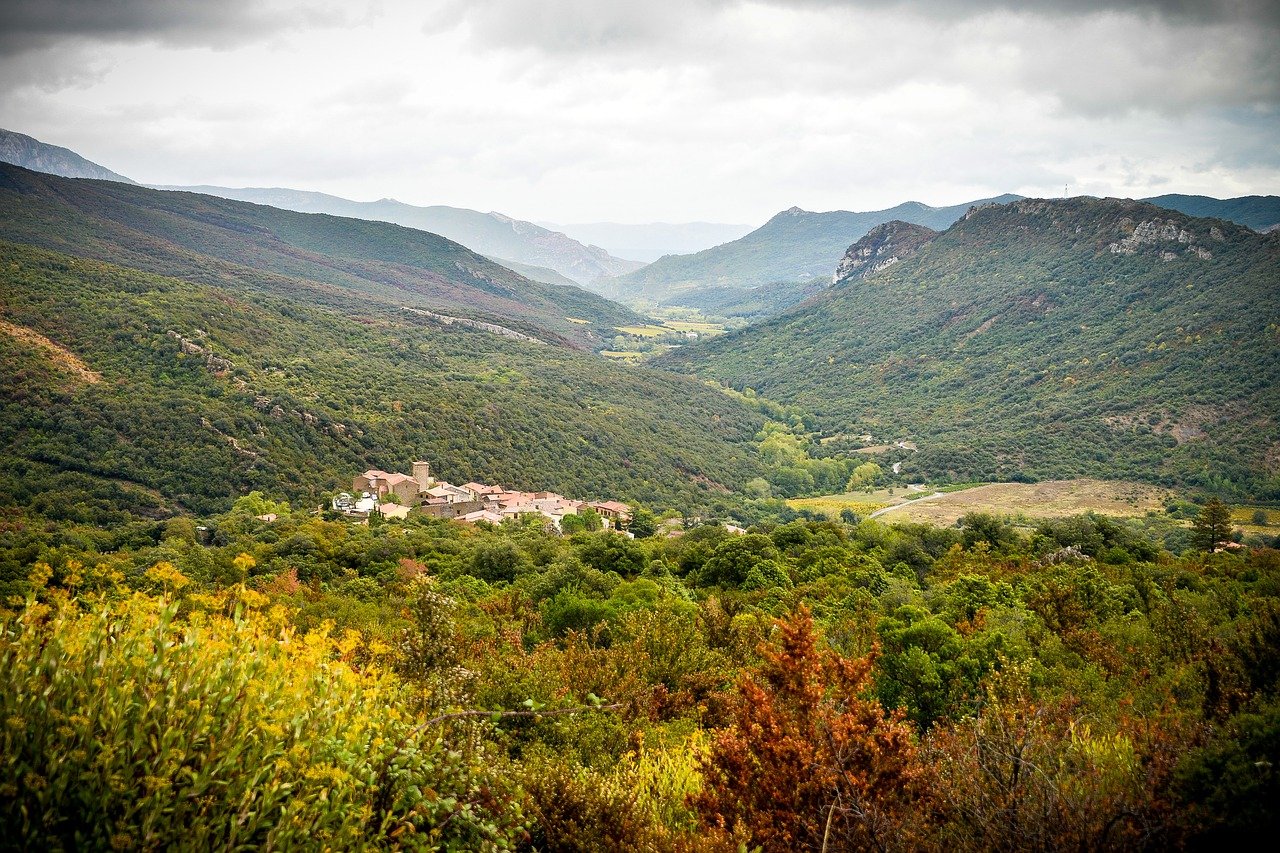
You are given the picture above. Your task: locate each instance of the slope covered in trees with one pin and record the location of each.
(311, 257)
(1259, 212)
(205, 392)
(1044, 339)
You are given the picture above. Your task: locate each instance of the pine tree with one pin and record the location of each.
(1213, 525)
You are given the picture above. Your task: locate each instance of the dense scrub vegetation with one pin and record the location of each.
(208, 393)
(1019, 345)
(805, 685)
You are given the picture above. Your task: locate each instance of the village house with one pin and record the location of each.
(613, 512)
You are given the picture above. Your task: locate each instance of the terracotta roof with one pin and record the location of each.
(394, 479)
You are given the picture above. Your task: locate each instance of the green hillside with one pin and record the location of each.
(794, 246)
(205, 394)
(1258, 212)
(311, 256)
(1044, 339)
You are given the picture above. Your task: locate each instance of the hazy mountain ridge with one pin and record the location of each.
(1044, 338)
(30, 153)
(229, 243)
(491, 234)
(793, 246)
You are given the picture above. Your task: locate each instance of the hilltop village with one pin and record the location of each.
(394, 495)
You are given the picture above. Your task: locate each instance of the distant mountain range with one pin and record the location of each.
(490, 234)
(794, 246)
(649, 241)
(317, 257)
(1259, 212)
(29, 153)
(1039, 339)
(802, 247)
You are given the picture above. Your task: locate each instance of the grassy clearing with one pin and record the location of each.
(1050, 499)
(642, 331)
(862, 503)
(578, 320)
(622, 355)
(700, 328)
(1244, 518)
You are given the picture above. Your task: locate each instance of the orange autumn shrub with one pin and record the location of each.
(810, 763)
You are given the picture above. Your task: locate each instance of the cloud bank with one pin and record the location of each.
(670, 109)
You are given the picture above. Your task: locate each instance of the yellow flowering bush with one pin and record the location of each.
(127, 726)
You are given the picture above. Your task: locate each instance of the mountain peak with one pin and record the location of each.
(30, 153)
(882, 247)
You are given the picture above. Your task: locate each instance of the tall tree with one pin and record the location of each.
(1213, 525)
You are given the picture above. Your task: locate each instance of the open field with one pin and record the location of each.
(1243, 518)
(700, 328)
(1050, 499)
(863, 503)
(643, 331)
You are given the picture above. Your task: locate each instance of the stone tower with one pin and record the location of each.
(422, 473)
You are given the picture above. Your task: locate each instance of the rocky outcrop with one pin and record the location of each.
(216, 365)
(1160, 233)
(882, 247)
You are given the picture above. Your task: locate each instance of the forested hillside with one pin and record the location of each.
(127, 390)
(1045, 338)
(311, 257)
(1259, 212)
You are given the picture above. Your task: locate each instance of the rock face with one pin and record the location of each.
(22, 150)
(882, 247)
(1153, 232)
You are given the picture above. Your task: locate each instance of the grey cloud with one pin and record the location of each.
(32, 24)
(589, 25)
(1265, 12)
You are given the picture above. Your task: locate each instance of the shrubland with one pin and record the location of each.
(806, 685)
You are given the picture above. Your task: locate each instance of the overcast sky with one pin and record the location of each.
(674, 110)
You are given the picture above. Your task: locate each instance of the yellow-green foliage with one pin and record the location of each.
(131, 726)
(663, 780)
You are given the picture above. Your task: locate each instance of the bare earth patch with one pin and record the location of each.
(1050, 499)
(59, 355)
